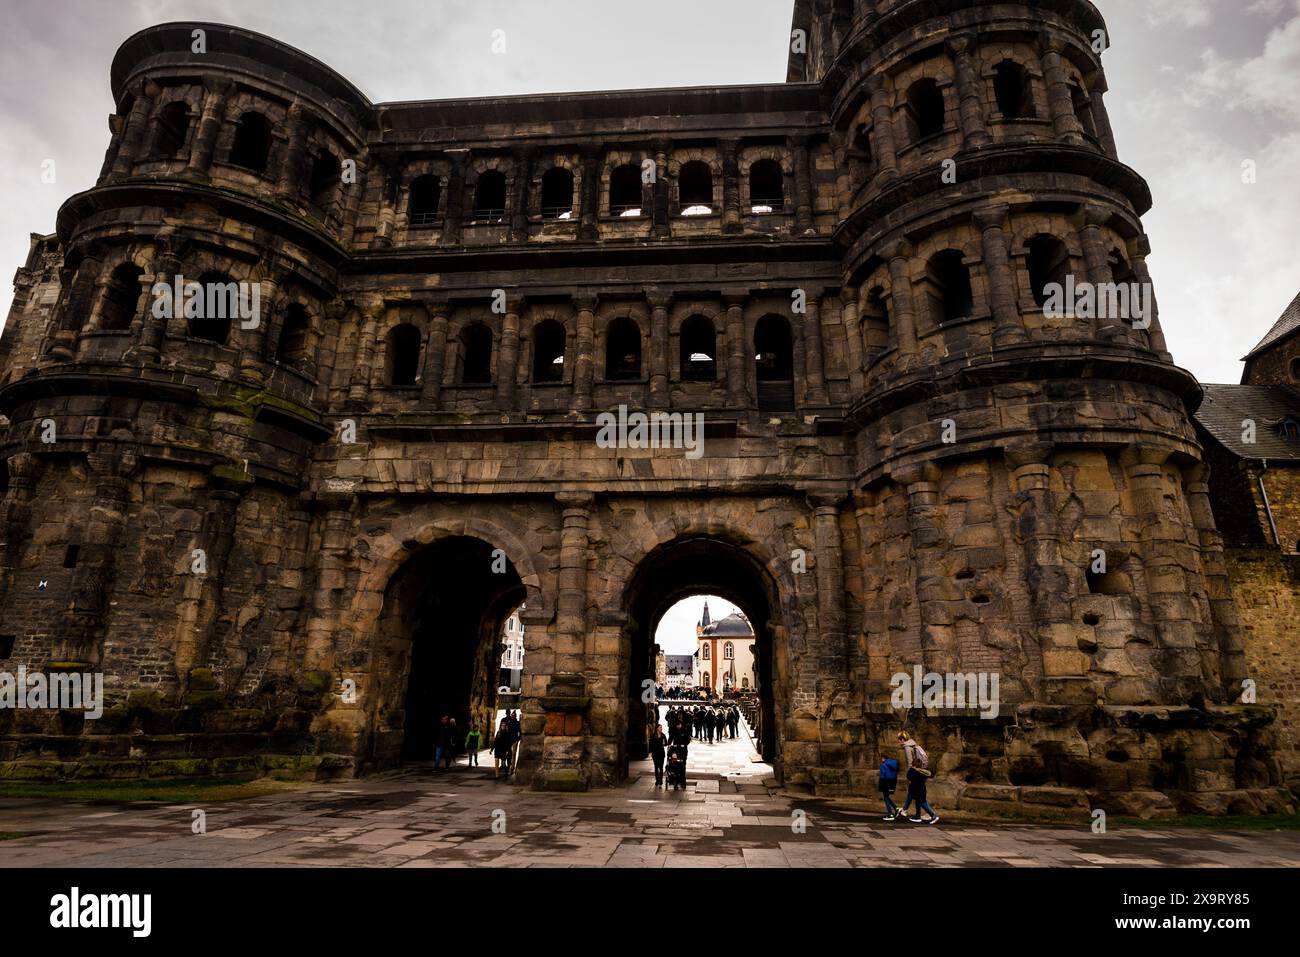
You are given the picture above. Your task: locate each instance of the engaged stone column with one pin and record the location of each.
(883, 140)
(216, 96)
(1060, 104)
(1097, 86)
(116, 126)
(814, 359)
(1165, 558)
(660, 227)
(436, 357)
(589, 230)
(571, 593)
(523, 163)
(386, 214)
(1099, 274)
(23, 468)
(737, 393)
(455, 216)
(852, 322)
(79, 289)
(1140, 249)
(508, 358)
(359, 386)
(659, 303)
(974, 129)
(252, 341)
(833, 639)
(137, 123)
(1230, 664)
(900, 292)
(331, 579)
(803, 196)
(584, 363)
(1008, 329)
(288, 183)
(935, 591)
(730, 152)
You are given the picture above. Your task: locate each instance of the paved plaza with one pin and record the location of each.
(731, 815)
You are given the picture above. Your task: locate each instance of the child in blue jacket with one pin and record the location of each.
(888, 784)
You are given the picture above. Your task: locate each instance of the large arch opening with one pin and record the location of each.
(444, 616)
(705, 566)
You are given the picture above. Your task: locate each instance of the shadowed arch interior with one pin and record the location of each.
(703, 565)
(441, 630)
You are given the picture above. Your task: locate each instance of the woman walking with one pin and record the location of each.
(501, 748)
(918, 773)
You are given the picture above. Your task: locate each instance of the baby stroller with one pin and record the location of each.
(676, 767)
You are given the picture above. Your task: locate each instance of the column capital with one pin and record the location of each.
(1029, 453)
(898, 249)
(735, 299)
(437, 307)
(585, 301)
(575, 501)
(849, 293)
(824, 501)
(1144, 456)
(1094, 214)
(918, 474)
(960, 44)
(991, 217)
(659, 298)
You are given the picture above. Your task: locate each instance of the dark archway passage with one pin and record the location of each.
(703, 565)
(445, 608)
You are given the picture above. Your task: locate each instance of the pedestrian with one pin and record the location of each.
(733, 721)
(658, 748)
(439, 735)
(501, 748)
(710, 722)
(473, 742)
(450, 738)
(918, 773)
(697, 718)
(516, 732)
(888, 784)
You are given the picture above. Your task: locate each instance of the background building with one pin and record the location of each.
(512, 657)
(724, 653)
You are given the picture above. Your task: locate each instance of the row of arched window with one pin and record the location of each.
(773, 352)
(626, 198)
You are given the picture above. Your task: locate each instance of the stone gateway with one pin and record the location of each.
(289, 543)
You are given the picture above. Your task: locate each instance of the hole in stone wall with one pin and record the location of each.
(7, 643)
(965, 575)
(1115, 754)
(1092, 619)
(1108, 583)
(981, 599)
(70, 556)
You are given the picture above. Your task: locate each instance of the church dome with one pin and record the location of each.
(734, 625)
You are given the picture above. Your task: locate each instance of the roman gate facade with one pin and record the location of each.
(289, 543)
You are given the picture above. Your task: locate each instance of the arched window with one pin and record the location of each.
(292, 347)
(704, 678)
(874, 320)
(1290, 430)
(173, 128)
(1083, 109)
(625, 191)
(403, 354)
(325, 176)
(950, 284)
(699, 350)
(476, 354)
(695, 188)
(729, 650)
(766, 187)
(623, 350)
(548, 351)
(1121, 273)
(1295, 369)
(557, 193)
(1011, 89)
(426, 193)
(490, 197)
(1049, 264)
(121, 298)
(705, 654)
(220, 305)
(252, 145)
(925, 109)
(774, 353)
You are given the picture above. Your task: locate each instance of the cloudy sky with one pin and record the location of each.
(1198, 87)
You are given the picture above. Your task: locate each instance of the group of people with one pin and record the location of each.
(505, 747)
(668, 751)
(707, 723)
(918, 773)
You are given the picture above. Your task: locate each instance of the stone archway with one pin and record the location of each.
(436, 644)
(700, 564)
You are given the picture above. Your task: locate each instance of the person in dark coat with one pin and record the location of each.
(658, 748)
(501, 748)
(710, 724)
(450, 740)
(697, 719)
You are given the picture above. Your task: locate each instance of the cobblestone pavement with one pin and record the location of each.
(729, 816)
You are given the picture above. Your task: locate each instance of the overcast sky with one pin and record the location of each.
(1197, 87)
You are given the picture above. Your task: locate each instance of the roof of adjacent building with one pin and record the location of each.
(1226, 407)
(734, 625)
(1284, 328)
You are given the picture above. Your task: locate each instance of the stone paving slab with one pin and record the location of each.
(421, 819)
